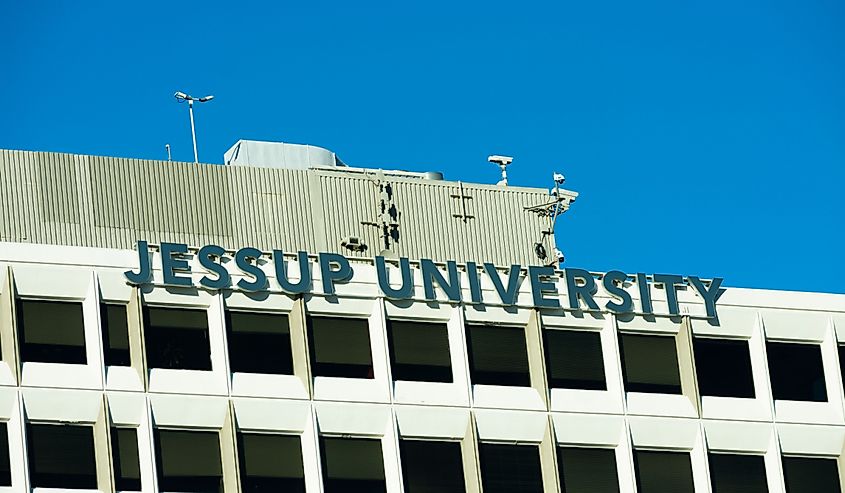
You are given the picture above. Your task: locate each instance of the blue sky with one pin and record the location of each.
(704, 138)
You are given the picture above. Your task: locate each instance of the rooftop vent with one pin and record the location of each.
(302, 156)
(279, 155)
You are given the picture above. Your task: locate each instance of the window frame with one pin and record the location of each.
(816, 348)
(337, 370)
(240, 445)
(485, 483)
(555, 383)
(230, 336)
(90, 481)
(403, 460)
(649, 388)
(485, 377)
(324, 467)
(105, 332)
(420, 368)
(153, 365)
(29, 352)
(158, 458)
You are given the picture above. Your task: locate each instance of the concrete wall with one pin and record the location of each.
(379, 407)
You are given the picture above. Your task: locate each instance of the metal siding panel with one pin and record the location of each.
(111, 202)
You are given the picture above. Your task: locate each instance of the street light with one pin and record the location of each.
(182, 97)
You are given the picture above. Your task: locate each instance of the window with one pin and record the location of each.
(340, 347)
(796, 371)
(731, 473)
(51, 332)
(510, 468)
(188, 461)
(811, 475)
(432, 466)
(115, 334)
(61, 456)
(177, 338)
(498, 355)
(259, 343)
(650, 363)
(723, 368)
(270, 463)
(419, 351)
(659, 472)
(352, 465)
(587, 470)
(842, 362)
(127, 467)
(5, 464)
(574, 359)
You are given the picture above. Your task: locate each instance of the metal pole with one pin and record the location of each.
(193, 131)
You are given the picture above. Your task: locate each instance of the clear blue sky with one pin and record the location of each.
(704, 137)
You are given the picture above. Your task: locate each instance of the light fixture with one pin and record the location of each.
(182, 97)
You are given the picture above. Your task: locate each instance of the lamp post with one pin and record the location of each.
(182, 97)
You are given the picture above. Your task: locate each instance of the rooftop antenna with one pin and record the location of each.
(167, 146)
(182, 97)
(502, 162)
(559, 202)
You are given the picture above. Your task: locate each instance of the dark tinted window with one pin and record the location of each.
(340, 347)
(188, 461)
(61, 456)
(574, 359)
(430, 467)
(51, 331)
(662, 472)
(723, 368)
(650, 363)
(796, 371)
(510, 468)
(5, 465)
(842, 362)
(731, 473)
(587, 470)
(259, 343)
(811, 475)
(177, 338)
(270, 463)
(498, 355)
(352, 465)
(115, 334)
(127, 468)
(419, 351)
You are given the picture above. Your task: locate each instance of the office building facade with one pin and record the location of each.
(307, 326)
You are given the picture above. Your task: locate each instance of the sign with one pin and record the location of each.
(581, 285)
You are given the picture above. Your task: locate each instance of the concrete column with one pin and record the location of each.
(102, 449)
(229, 452)
(686, 365)
(469, 453)
(9, 324)
(536, 358)
(774, 465)
(299, 345)
(548, 460)
(135, 328)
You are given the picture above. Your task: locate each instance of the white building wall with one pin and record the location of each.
(388, 410)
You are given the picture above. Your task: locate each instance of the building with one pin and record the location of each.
(288, 323)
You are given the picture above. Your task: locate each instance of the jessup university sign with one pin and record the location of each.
(581, 285)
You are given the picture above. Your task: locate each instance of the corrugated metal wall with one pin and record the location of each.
(109, 202)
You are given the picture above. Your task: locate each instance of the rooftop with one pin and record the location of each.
(110, 202)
